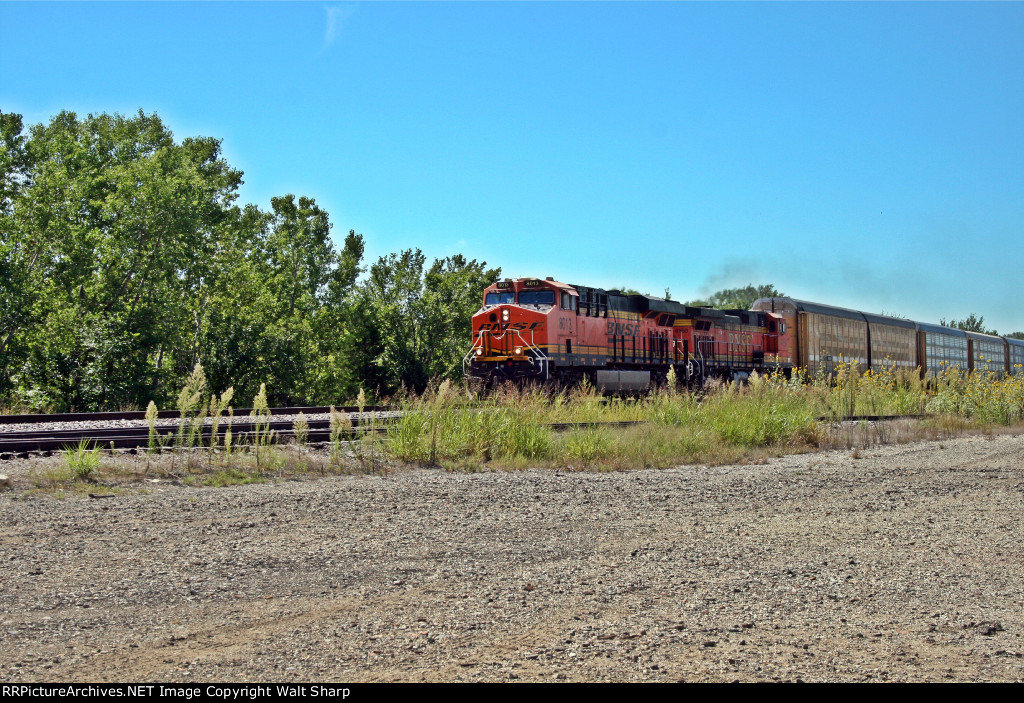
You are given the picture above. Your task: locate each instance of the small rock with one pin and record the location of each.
(990, 628)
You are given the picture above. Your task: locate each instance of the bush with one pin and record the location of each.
(81, 461)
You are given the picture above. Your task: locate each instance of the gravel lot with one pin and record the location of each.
(901, 563)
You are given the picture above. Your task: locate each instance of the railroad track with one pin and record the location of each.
(242, 433)
(72, 429)
(872, 418)
(22, 443)
(174, 414)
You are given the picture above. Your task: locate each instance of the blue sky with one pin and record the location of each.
(865, 155)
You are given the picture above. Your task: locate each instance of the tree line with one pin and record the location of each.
(126, 258)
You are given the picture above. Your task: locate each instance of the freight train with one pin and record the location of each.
(559, 334)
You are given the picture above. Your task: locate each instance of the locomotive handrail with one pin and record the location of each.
(718, 352)
(540, 353)
(592, 308)
(468, 358)
(527, 346)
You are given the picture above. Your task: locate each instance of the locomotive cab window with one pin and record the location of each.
(501, 297)
(568, 301)
(537, 297)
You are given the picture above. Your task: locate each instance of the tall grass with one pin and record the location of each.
(512, 427)
(771, 414)
(82, 462)
(190, 399)
(301, 429)
(440, 427)
(261, 436)
(981, 396)
(890, 390)
(154, 436)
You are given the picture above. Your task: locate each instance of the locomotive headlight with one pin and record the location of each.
(479, 352)
(504, 315)
(518, 351)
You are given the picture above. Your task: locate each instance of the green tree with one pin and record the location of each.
(116, 230)
(14, 160)
(971, 323)
(16, 254)
(452, 290)
(737, 298)
(395, 291)
(274, 315)
(409, 325)
(125, 262)
(334, 372)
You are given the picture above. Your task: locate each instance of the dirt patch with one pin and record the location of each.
(894, 563)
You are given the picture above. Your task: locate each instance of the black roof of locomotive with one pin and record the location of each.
(650, 303)
(748, 317)
(638, 303)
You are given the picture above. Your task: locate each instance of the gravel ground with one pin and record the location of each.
(901, 563)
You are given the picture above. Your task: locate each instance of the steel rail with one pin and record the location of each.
(871, 418)
(174, 414)
(136, 437)
(319, 432)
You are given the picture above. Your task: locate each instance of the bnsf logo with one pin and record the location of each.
(627, 330)
(501, 326)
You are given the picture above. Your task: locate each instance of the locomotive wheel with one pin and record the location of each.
(694, 375)
(476, 385)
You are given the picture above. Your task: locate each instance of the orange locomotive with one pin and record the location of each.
(533, 329)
